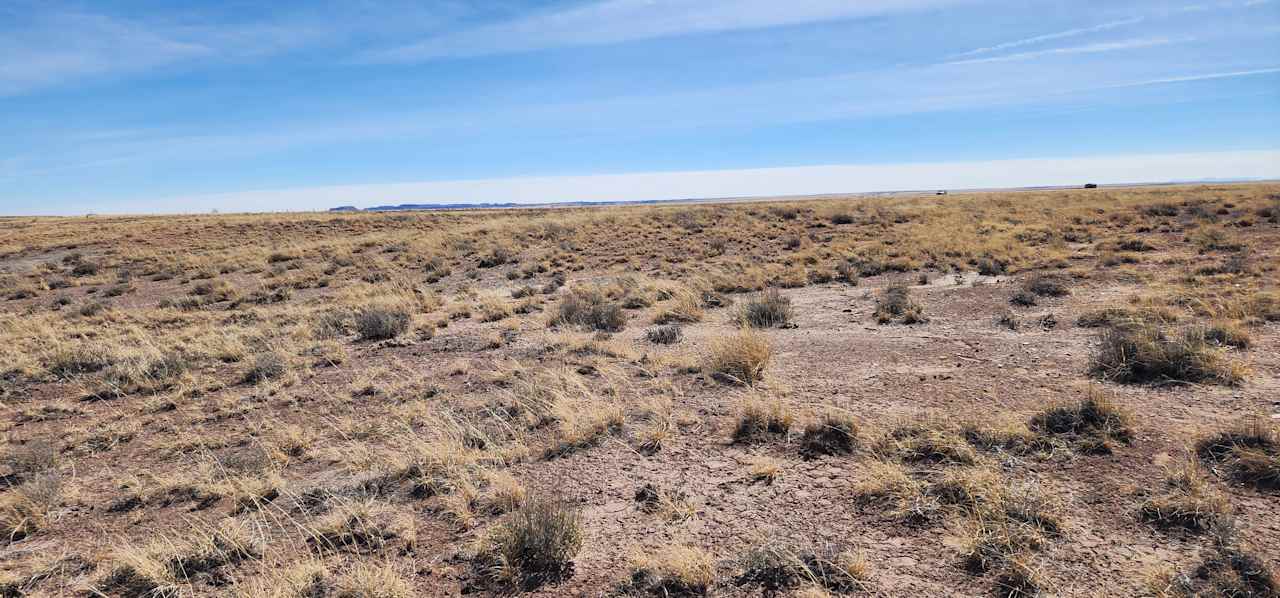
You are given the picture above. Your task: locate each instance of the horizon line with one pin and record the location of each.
(725, 184)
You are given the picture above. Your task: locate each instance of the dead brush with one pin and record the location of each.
(895, 304)
(684, 306)
(740, 357)
(888, 484)
(382, 322)
(170, 567)
(761, 418)
(768, 310)
(1188, 502)
(664, 335)
(930, 441)
(534, 545)
(835, 433)
(361, 526)
(1096, 424)
(589, 309)
(28, 508)
(776, 567)
(1229, 569)
(1146, 354)
(1248, 452)
(673, 570)
(1047, 285)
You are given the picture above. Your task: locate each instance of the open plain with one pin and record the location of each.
(1061, 392)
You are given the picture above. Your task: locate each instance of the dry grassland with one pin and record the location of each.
(1065, 393)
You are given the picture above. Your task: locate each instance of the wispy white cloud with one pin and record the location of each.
(70, 45)
(1199, 77)
(46, 44)
(1050, 37)
(615, 21)
(1095, 48)
(763, 182)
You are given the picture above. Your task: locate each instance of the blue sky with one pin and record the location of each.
(157, 106)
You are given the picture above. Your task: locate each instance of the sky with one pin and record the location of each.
(132, 106)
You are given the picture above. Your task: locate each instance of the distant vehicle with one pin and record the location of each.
(1091, 186)
(941, 193)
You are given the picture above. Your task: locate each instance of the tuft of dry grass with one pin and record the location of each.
(358, 526)
(536, 544)
(760, 418)
(1248, 452)
(664, 335)
(1146, 354)
(590, 309)
(382, 322)
(895, 304)
(673, 570)
(1093, 425)
(768, 310)
(741, 356)
(775, 567)
(1188, 502)
(26, 509)
(927, 442)
(835, 433)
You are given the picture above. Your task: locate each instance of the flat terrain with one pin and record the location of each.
(1064, 392)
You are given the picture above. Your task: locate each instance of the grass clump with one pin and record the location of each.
(1187, 502)
(1146, 354)
(361, 526)
(536, 543)
(1120, 316)
(1229, 571)
(740, 357)
(669, 334)
(768, 310)
(673, 571)
(1223, 334)
(366, 581)
(26, 509)
(762, 418)
(591, 309)
(834, 434)
(1046, 285)
(888, 483)
(895, 304)
(1248, 452)
(266, 366)
(382, 322)
(1093, 425)
(778, 567)
(685, 305)
(929, 442)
